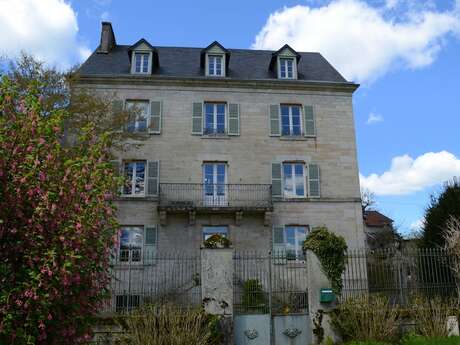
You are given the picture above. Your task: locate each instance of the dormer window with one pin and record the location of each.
(214, 60)
(141, 62)
(286, 68)
(215, 65)
(144, 57)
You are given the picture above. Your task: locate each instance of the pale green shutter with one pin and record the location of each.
(314, 181)
(233, 119)
(276, 180)
(309, 121)
(279, 245)
(197, 119)
(274, 114)
(153, 178)
(150, 243)
(116, 166)
(156, 110)
(117, 108)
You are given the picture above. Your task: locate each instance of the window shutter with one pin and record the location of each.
(116, 167)
(233, 119)
(279, 245)
(314, 181)
(156, 110)
(309, 121)
(276, 180)
(153, 178)
(274, 114)
(197, 119)
(150, 243)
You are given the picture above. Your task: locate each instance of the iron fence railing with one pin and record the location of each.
(199, 195)
(400, 274)
(269, 283)
(152, 278)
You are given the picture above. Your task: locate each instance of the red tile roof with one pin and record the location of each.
(376, 219)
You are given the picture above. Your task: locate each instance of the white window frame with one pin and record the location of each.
(147, 114)
(130, 251)
(133, 179)
(149, 63)
(293, 175)
(291, 126)
(283, 60)
(298, 245)
(215, 118)
(213, 73)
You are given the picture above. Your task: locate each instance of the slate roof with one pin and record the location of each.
(244, 64)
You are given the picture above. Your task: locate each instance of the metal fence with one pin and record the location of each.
(400, 274)
(190, 195)
(153, 278)
(269, 283)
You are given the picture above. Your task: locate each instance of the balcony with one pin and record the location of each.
(204, 198)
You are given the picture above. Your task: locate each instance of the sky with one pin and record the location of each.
(404, 53)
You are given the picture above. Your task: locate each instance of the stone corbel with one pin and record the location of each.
(163, 217)
(268, 218)
(238, 217)
(191, 217)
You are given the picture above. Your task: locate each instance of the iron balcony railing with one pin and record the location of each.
(206, 195)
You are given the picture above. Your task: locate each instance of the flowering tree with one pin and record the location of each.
(57, 224)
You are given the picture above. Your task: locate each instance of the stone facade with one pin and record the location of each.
(249, 157)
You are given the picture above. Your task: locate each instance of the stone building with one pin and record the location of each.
(256, 145)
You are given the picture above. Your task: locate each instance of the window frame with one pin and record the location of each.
(133, 179)
(214, 70)
(304, 180)
(291, 126)
(226, 234)
(283, 62)
(298, 245)
(130, 255)
(205, 118)
(147, 114)
(144, 53)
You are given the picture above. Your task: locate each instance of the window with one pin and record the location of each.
(214, 118)
(141, 63)
(130, 244)
(134, 173)
(215, 65)
(214, 180)
(294, 236)
(293, 180)
(286, 68)
(208, 231)
(127, 302)
(291, 120)
(140, 110)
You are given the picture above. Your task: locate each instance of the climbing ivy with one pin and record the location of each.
(330, 250)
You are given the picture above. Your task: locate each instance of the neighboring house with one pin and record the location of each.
(380, 232)
(256, 145)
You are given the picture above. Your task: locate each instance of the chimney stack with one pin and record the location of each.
(107, 38)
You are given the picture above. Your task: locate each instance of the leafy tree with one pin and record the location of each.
(57, 223)
(440, 210)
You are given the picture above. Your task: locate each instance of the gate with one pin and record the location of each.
(270, 299)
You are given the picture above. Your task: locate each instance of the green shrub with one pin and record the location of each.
(168, 324)
(254, 298)
(366, 318)
(367, 343)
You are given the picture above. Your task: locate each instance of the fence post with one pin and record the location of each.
(217, 287)
(317, 280)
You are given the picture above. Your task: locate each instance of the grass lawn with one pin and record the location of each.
(413, 341)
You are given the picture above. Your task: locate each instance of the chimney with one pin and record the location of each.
(107, 38)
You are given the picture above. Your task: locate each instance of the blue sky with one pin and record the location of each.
(404, 53)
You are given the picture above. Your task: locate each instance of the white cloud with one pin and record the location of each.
(407, 175)
(105, 16)
(46, 29)
(417, 225)
(362, 41)
(374, 118)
